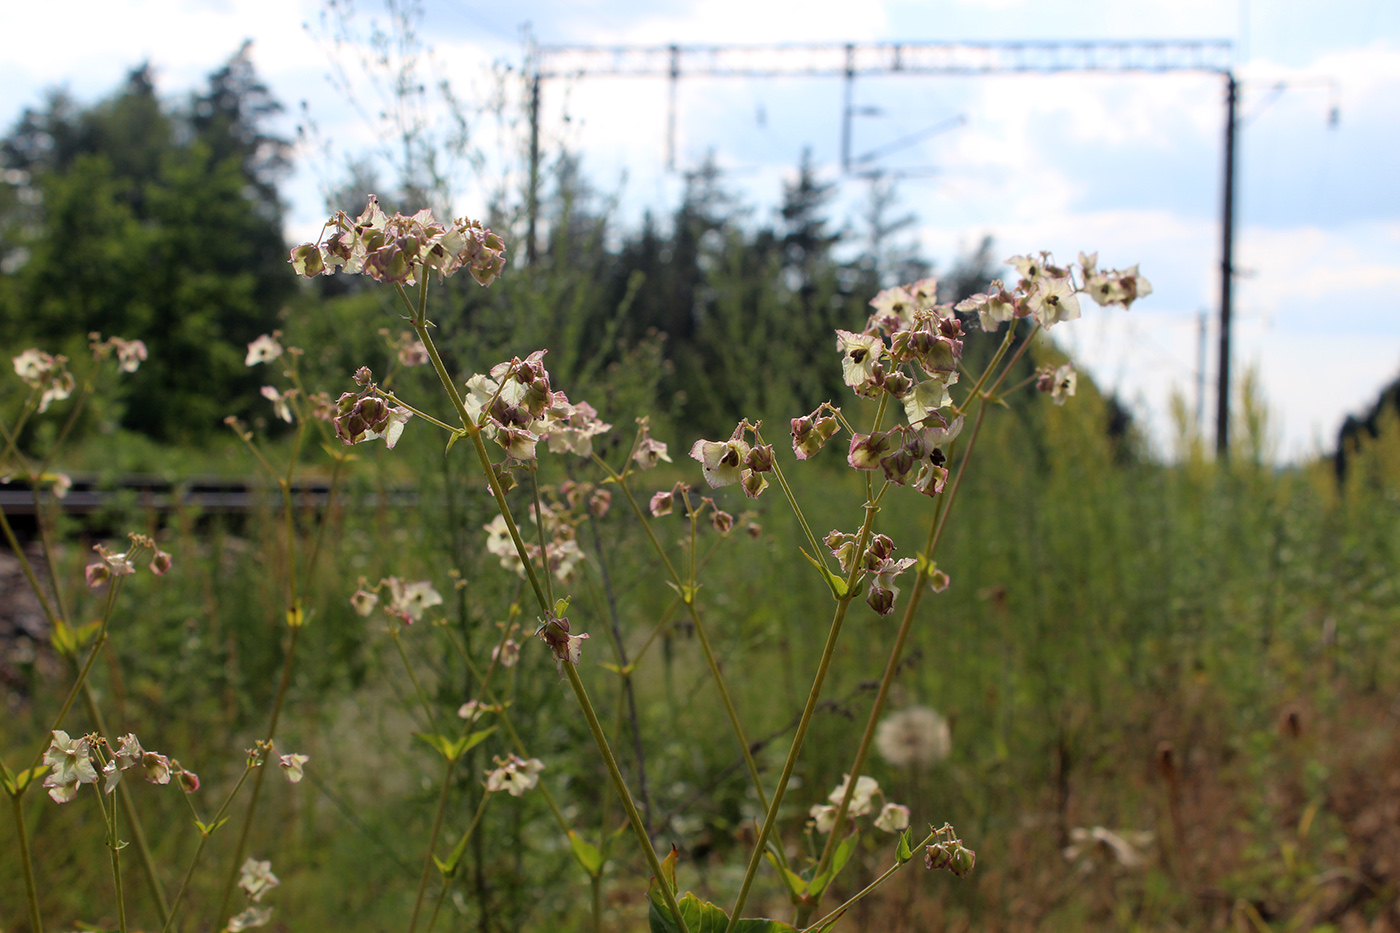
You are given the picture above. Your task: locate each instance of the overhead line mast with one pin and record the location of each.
(852, 59)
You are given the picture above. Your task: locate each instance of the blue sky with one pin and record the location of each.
(1129, 166)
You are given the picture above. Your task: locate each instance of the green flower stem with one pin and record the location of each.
(203, 840)
(818, 551)
(109, 817)
(391, 397)
(83, 672)
(694, 613)
(921, 581)
(447, 881)
(138, 834)
(596, 883)
(544, 542)
(432, 844)
(413, 678)
(828, 653)
(865, 890)
(633, 817)
(282, 686)
(546, 607)
(36, 922)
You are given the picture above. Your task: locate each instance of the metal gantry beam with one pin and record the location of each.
(854, 59)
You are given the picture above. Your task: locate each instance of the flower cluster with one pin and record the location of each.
(559, 516)
(516, 406)
(950, 853)
(893, 817)
(399, 249)
(48, 373)
(74, 762)
(255, 879)
(407, 601)
(877, 563)
(366, 416)
(735, 460)
(514, 775)
(120, 564)
(567, 647)
(130, 353)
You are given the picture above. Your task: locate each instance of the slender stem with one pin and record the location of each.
(447, 881)
(828, 652)
(246, 828)
(36, 922)
(687, 589)
(432, 845)
(203, 840)
(596, 883)
(936, 526)
(26, 567)
(865, 890)
(633, 817)
(138, 834)
(109, 817)
(413, 678)
(544, 538)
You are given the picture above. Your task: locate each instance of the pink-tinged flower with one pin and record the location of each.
(413, 353)
(1133, 286)
(722, 462)
(1062, 383)
(649, 452)
(128, 754)
(188, 780)
(661, 503)
(309, 260)
(894, 308)
(811, 432)
(367, 418)
(893, 818)
(938, 581)
(925, 292)
(291, 766)
(519, 443)
(256, 878)
(62, 484)
(883, 591)
(34, 366)
(842, 547)
(722, 521)
(58, 388)
(1030, 267)
(867, 450)
(861, 801)
(409, 601)
(160, 564)
(566, 646)
(823, 817)
(570, 428)
(507, 653)
(363, 602)
(70, 764)
(514, 775)
(860, 358)
(263, 350)
(111, 565)
(156, 767)
(564, 558)
(130, 353)
(754, 484)
(993, 309)
(280, 406)
(1053, 301)
(472, 710)
(249, 919)
(599, 503)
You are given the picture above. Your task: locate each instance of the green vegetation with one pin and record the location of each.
(1201, 651)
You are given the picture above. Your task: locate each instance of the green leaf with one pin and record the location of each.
(207, 829)
(838, 862)
(835, 583)
(903, 853)
(63, 639)
(24, 778)
(452, 749)
(456, 436)
(686, 591)
(587, 854)
(796, 884)
(704, 917)
(561, 606)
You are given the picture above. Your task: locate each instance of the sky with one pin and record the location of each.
(1129, 166)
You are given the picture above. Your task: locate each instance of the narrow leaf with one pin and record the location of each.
(587, 854)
